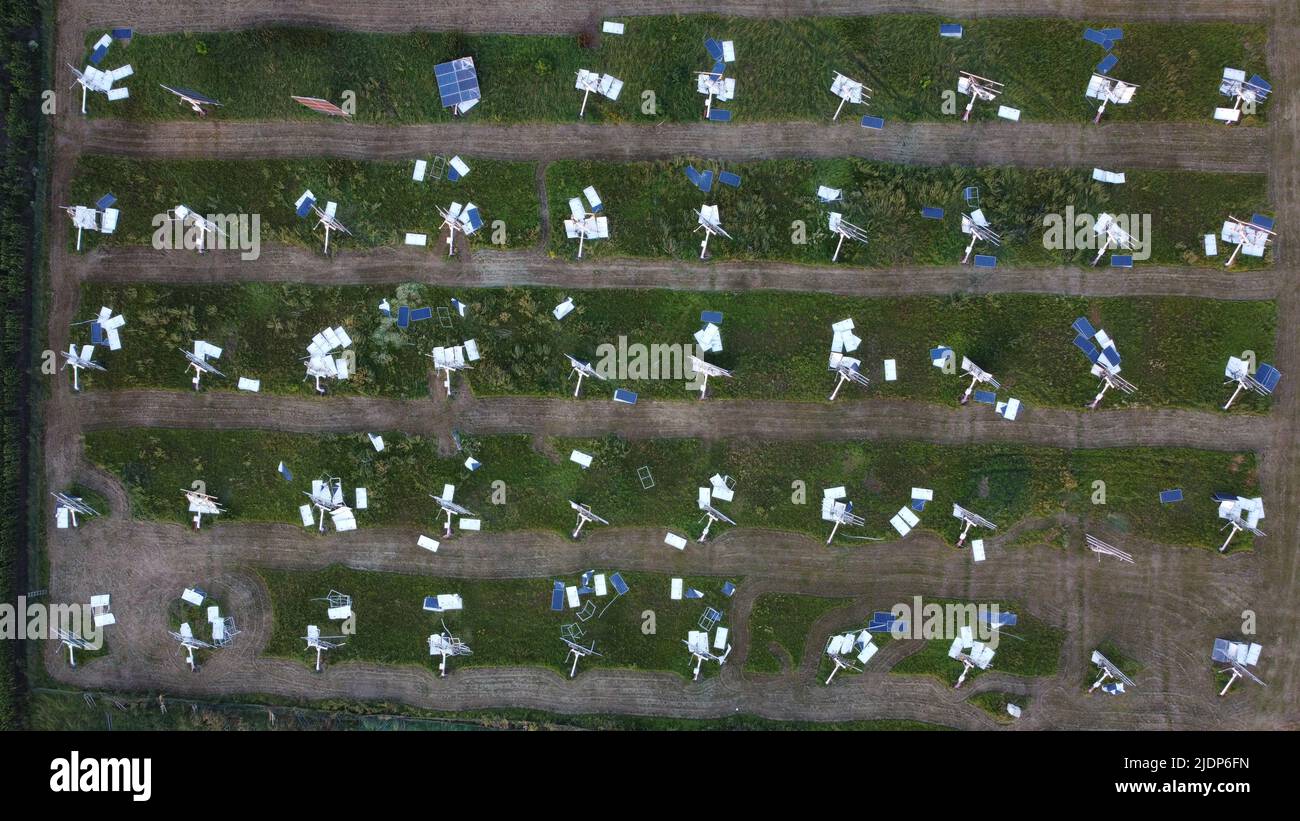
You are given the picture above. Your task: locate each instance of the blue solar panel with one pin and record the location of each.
(1107, 63)
(1083, 327)
(986, 397)
(918, 505)
(304, 208)
(1084, 344)
(625, 396)
(728, 178)
(1110, 355)
(1003, 619)
(712, 615)
(1268, 376)
(557, 596)
(121, 34)
(403, 316)
(950, 29)
(714, 47)
(719, 67)
(714, 317)
(457, 81)
(98, 54)
(985, 261)
(620, 586)
(1121, 260)
(1261, 85)
(284, 471)
(938, 353)
(1094, 36)
(421, 314)
(105, 201)
(932, 213)
(475, 219)
(1113, 34)
(1174, 495)
(1262, 221)
(718, 115)
(96, 334)
(452, 174)
(706, 181)
(431, 603)
(694, 594)
(728, 589)
(881, 621)
(970, 193)
(692, 175)
(875, 123)
(193, 95)
(1224, 497)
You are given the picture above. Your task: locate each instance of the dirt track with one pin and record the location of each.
(1192, 147)
(1163, 611)
(488, 268)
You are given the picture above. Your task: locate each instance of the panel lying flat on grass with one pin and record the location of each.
(1007, 483)
(506, 622)
(776, 343)
(378, 201)
(651, 207)
(783, 71)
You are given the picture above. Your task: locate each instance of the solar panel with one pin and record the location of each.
(457, 82)
(193, 95)
(620, 586)
(321, 106)
(421, 314)
(729, 179)
(107, 201)
(1170, 496)
(986, 397)
(1113, 33)
(1262, 221)
(985, 261)
(932, 213)
(875, 123)
(403, 316)
(950, 30)
(714, 48)
(718, 115)
(1094, 36)
(1083, 327)
(1107, 63)
(1121, 260)
(1267, 376)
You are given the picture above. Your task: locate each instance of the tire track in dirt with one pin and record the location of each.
(555, 17)
(1180, 146)
(872, 419)
(490, 268)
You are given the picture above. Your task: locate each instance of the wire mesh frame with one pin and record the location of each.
(709, 619)
(444, 316)
(647, 480)
(572, 631)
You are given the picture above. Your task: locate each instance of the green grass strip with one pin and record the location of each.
(1003, 483)
(783, 69)
(783, 619)
(777, 344)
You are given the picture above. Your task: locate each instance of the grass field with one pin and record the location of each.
(995, 704)
(1174, 348)
(378, 201)
(1003, 483)
(651, 208)
(507, 623)
(1031, 648)
(60, 710)
(783, 619)
(783, 69)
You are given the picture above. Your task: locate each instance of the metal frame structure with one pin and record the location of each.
(707, 369)
(1252, 237)
(581, 369)
(840, 513)
(584, 515)
(977, 226)
(448, 506)
(184, 214)
(1108, 90)
(1107, 226)
(73, 642)
(1238, 656)
(74, 505)
(1103, 549)
(446, 645)
(577, 652)
(849, 91)
(463, 218)
(845, 230)
(1231, 509)
(191, 643)
(1108, 670)
(977, 375)
(697, 642)
(971, 520)
(195, 99)
(320, 643)
(1262, 382)
(201, 503)
(306, 204)
(582, 224)
(979, 88)
(711, 513)
(847, 369)
(711, 221)
(1105, 359)
(78, 360)
(198, 360)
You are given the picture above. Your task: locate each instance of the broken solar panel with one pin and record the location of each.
(458, 84)
(321, 106)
